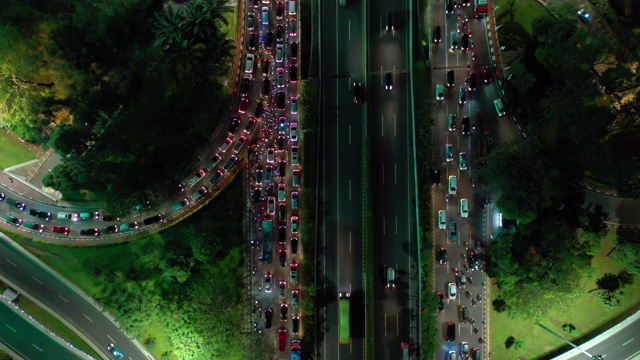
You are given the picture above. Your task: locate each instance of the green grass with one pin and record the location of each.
(524, 12)
(12, 152)
(587, 314)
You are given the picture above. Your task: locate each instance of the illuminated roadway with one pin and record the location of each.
(341, 239)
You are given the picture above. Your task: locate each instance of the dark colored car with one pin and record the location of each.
(437, 34)
(440, 296)
(279, 32)
(282, 235)
(283, 257)
(466, 123)
(235, 122)
(112, 229)
(259, 108)
(474, 260)
(451, 331)
(90, 232)
(268, 318)
(2, 196)
(14, 220)
(282, 212)
(266, 67)
(284, 311)
(109, 218)
(281, 100)
(33, 226)
(388, 81)
(436, 177)
(472, 81)
(442, 256)
(253, 40)
(450, 78)
(294, 50)
(279, 10)
(389, 20)
(449, 7)
(244, 105)
(268, 41)
(20, 205)
(357, 92)
(152, 220)
(266, 87)
(282, 168)
(61, 230)
(246, 85)
(465, 41)
(295, 327)
(486, 74)
(41, 214)
(250, 124)
(293, 73)
(294, 245)
(281, 143)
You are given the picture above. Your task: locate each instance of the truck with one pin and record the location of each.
(295, 350)
(192, 180)
(453, 231)
(267, 241)
(480, 7)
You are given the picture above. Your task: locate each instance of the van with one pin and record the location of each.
(499, 107)
(453, 37)
(292, 7)
(439, 92)
(391, 277)
(453, 184)
(154, 219)
(464, 314)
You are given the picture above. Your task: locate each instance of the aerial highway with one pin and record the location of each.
(391, 130)
(342, 156)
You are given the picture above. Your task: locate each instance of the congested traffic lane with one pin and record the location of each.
(393, 203)
(341, 231)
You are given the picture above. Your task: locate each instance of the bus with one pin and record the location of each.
(345, 333)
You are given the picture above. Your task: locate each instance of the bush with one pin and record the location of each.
(571, 329)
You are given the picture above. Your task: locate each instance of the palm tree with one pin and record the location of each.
(168, 28)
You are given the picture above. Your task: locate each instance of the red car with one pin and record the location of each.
(61, 230)
(244, 105)
(282, 339)
(486, 74)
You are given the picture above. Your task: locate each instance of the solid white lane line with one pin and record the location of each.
(349, 30)
(384, 228)
(349, 189)
(395, 174)
(349, 241)
(349, 134)
(382, 124)
(396, 233)
(382, 174)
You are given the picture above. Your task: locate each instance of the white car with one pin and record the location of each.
(442, 219)
(453, 185)
(452, 291)
(268, 279)
(293, 132)
(464, 207)
(248, 64)
(271, 155)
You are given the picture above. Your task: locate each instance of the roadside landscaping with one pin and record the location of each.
(12, 152)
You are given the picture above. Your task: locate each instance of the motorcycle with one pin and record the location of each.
(473, 182)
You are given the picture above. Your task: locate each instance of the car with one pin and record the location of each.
(266, 67)
(268, 318)
(452, 290)
(462, 159)
(483, 123)
(239, 144)
(115, 351)
(251, 21)
(281, 143)
(181, 204)
(453, 185)
(389, 21)
(250, 123)
(291, 9)
(217, 176)
(248, 63)
(294, 161)
(449, 7)
(259, 176)
(499, 107)
(279, 10)
(439, 92)
(282, 192)
(155, 219)
(283, 260)
(293, 50)
(440, 296)
(282, 168)
(391, 277)
(436, 177)
(474, 260)
(462, 95)
(253, 41)
(282, 125)
(294, 224)
(268, 281)
(294, 103)
(294, 273)
(464, 42)
(257, 195)
(448, 152)
(244, 105)
(282, 234)
(282, 286)
(295, 298)
(295, 200)
(464, 125)
(452, 355)
(68, 216)
(450, 78)
(129, 226)
(266, 88)
(258, 111)
(357, 92)
(268, 173)
(293, 132)
(451, 331)
(442, 256)
(2, 196)
(437, 34)
(268, 41)
(294, 245)
(280, 82)
(255, 3)
(295, 325)
(464, 349)
(451, 120)
(233, 127)
(486, 73)
(14, 220)
(265, 16)
(388, 81)
(271, 205)
(90, 232)
(282, 340)
(472, 81)
(282, 212)
(109, 218)
(584, 16)
(41, 214)
(453, 231)
(293, 73)
(280, 33)
(281, 100)
(60, 230)
(20, 205)
(453, 38)
(271, 154)
(232, 160)
(284, 311)
(292, 27)
(462, 280)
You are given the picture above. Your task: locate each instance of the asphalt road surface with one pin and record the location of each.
(79, 310)
(342, 193)
(28, 340)
(622, 344)
(392, 179)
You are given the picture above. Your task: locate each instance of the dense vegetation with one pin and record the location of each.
(124, 90)
(573, 86)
